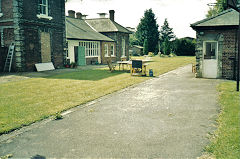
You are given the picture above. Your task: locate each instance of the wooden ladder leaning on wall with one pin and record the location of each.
(8, 62)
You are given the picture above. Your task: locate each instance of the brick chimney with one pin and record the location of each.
(79, 15)
(102, 15)
(111, 15)
(71, 13)
(84, 16)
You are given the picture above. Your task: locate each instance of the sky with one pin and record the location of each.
(179, 13)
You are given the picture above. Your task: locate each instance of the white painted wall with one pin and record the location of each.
(71, 44)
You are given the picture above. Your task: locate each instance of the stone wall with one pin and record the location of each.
(117, 37)
(27, 30)
(103, 57)
(227, 51)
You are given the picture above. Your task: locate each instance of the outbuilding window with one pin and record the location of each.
(112, 50)
(43, 7)
(92, 48)
(106, 50)
(210, 50)
(1, 14)
(123, 48)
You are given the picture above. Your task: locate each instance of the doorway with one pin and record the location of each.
(210, 59)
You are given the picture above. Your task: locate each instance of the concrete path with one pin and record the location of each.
(167, 117)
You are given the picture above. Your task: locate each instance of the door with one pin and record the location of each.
(80, 58)
(45, 47)
(210, 59)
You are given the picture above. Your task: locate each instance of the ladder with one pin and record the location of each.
(8, 63)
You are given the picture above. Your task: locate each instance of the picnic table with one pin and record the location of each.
(133, 69)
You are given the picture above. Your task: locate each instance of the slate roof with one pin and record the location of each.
(79, 29)
(106, 25)
(229, 17)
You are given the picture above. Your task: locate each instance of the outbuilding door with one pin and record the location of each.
(210, 59)
(80, 57)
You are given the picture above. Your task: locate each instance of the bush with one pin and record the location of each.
(150, 54)
(184, 47)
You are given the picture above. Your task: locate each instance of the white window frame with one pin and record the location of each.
(204, 49)
(106, 50)
(44, 15)
(123, 47)
(92, 48)
(1, 14)
(112, 50)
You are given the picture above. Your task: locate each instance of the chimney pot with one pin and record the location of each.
(71, 13)
(102, 15)
(79, 15)
(111, 13)
(84, 16)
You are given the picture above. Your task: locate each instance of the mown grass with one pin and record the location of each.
(27, 101)
(226, 140)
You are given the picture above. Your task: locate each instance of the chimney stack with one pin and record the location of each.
(84, 16)
(111, 15)
(102, 15)
(79, 15)
(71, 13)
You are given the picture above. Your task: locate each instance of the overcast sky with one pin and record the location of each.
(180, 13)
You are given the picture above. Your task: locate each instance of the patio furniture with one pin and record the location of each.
(138, 68)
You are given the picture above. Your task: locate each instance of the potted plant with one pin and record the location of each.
(73, 65)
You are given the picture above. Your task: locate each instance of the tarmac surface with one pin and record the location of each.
(169, 116)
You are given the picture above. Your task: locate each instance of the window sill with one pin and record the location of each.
(1, 14)
(42, 16)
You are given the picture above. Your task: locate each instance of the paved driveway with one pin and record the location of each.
(167, 117)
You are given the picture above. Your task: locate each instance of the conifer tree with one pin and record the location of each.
(166, 36)
(148, 30)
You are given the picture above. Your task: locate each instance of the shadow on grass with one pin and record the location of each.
(92, 75)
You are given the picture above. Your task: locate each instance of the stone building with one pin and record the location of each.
(113, 30)
(216, 50)
(85, 45)
(37, 27)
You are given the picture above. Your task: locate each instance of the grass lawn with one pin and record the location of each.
(226, 140)
(27, 101)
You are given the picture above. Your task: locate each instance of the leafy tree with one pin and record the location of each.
(220, 6)
(133, 40)
(166, 36)
(166, 45)
(184, 47)
(147, 29)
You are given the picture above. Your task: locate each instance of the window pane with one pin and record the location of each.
(210, 50)
(44, 2)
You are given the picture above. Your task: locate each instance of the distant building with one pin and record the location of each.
(37, 27)
(216, 50)
(113, 30)
(85, 45)
(136, 50)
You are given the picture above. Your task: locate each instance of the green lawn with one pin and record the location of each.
(226, 140)
(27, 101)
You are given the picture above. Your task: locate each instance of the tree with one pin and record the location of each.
(166, 36)
(184, 47)
(218, 7)
(145, 47)
(133, 40)
(147, 29)
(166, 45)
